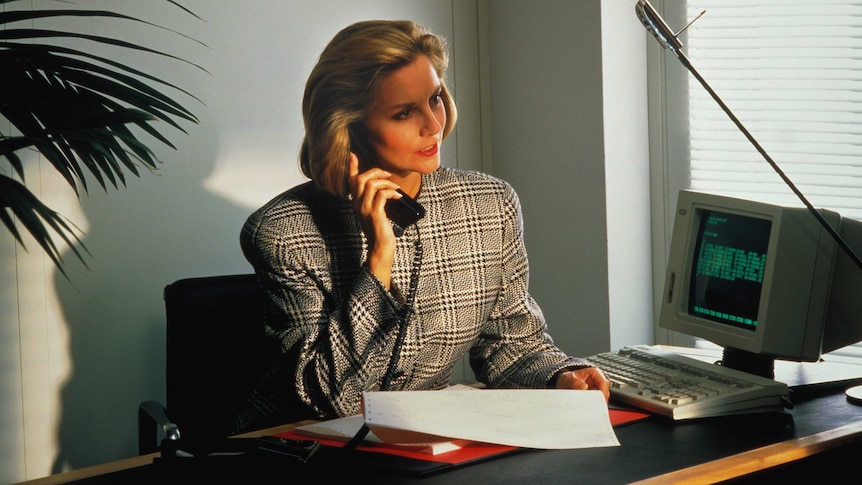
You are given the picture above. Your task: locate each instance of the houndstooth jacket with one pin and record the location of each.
(459, 285)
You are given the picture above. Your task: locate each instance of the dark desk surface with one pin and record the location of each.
(656, 446)
(821, 418)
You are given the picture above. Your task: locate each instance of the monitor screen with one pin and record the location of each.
(750, 276)
(730, 253)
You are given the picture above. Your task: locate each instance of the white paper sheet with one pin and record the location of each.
(532, 418)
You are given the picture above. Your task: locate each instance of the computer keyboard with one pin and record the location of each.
(681, 387)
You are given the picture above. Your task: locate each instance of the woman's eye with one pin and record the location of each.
(402, 115)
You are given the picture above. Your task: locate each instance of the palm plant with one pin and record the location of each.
(77, 110)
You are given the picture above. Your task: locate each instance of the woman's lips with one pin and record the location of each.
(430, 151)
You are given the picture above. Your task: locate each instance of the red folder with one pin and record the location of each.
(471, 452)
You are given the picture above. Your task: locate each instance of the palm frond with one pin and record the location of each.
(76, 108)
(17, 200)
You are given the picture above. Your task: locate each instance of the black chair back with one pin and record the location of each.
(216, 352)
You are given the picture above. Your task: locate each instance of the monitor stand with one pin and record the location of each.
(753, 363)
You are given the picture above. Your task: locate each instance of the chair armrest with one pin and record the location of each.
(151, 417)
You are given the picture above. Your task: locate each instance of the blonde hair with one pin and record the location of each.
(344, 82)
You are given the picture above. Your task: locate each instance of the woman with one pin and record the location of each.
(354, 307)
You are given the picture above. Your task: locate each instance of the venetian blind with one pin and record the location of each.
(791, 71)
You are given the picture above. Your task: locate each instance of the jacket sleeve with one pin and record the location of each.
(332, 338)
(514, 349)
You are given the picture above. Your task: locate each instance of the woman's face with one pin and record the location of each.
(405, 122)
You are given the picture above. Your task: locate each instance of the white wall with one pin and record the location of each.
(547, 127)
(627, 172)
(568, 110)
(78, 356)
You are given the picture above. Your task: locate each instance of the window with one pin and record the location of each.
(791, 71)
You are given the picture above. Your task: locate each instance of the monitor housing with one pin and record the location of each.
(763, 281)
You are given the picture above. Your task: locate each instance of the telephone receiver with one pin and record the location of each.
(403, 212)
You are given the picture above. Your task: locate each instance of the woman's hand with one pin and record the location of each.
(583, 379)
(370, 190)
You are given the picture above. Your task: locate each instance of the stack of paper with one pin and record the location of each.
(343, 429)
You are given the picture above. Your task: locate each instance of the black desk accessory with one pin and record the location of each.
(301, 451)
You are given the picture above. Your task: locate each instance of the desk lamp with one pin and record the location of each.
(669, 40)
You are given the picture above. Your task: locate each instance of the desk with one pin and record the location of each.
(823, 427)
(129, 466)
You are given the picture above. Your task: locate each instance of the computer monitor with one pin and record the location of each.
(763, 281)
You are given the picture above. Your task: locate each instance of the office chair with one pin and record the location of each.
(215, 356)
